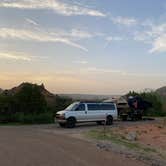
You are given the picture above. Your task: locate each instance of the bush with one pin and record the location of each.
(42, 118)
(60, 104)
(29, 105)
(30, 99)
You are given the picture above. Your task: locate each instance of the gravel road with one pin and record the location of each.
(35, 146)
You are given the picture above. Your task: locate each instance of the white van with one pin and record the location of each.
(87, 112)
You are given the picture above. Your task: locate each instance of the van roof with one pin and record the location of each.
(89, 102)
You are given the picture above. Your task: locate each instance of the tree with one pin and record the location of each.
(30, 100)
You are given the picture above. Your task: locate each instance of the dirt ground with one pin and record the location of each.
(153, 135)
(51, 145)
(45, 145)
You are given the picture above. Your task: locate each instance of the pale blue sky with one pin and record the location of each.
(82, 46)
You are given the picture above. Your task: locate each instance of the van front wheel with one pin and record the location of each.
(71, 122)
(109, 120)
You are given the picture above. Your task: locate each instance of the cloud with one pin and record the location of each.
(123, 20)
(81, 62)
(30, 21)
(37, 35)
(103, 71)
(158, 36)
(117, 72)
(114, 38)
(159, 44)
(55, 5)
(111, 39)
(143, 36)
(15, 56)
(81, 34)
(74, 34)
(155, 35)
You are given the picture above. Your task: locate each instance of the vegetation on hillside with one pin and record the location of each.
(29, 105)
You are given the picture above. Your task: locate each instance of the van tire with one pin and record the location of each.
(71, 122)
(109, 120)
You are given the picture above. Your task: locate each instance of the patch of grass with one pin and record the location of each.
(118, 139)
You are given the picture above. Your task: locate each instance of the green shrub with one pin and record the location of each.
(60, 103)
(155, 112)
(41, 118)
(29, 105)
(23, 105)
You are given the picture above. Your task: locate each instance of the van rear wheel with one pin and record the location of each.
(109, 120)
(71, 122)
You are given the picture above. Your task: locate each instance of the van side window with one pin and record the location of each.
(94, 107)
(81, 107)
(107, 107)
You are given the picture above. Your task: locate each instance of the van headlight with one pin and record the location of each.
(62, 116)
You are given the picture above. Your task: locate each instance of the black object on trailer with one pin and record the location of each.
(137, 106)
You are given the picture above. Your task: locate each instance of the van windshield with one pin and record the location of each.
(71, 106)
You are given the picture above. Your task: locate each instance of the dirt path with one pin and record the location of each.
(29, 146)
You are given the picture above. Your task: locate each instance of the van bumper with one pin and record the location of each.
(60, 119)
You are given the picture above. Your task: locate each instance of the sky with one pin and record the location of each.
(82, 46)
